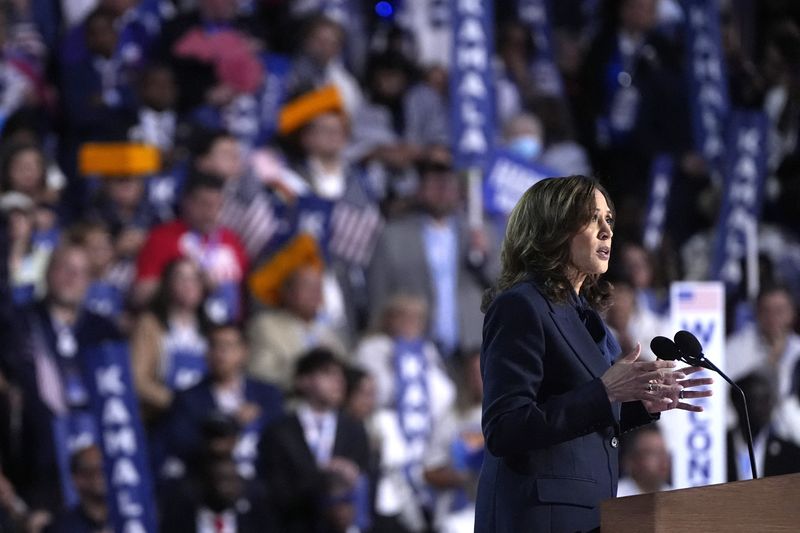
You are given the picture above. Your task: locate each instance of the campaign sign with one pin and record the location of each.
(107, 375)
(745, 178)
(708, 89)
(697, 440)
(506, 179)
(472, 82)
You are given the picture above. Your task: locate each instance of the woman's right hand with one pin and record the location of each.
(629, 379)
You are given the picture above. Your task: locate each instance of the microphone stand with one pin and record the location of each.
(701, 360)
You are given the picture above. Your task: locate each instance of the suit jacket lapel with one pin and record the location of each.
(340, 441)
(578, 337)
(208, 401)
(297, 435)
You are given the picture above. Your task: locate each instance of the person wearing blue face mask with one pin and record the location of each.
(526, 146)
(526, 133)
(523, 136)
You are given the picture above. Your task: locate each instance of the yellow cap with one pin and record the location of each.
(307, 107)
(118, 159)
(267, 280)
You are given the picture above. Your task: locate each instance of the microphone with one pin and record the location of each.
(692, 352)
(665, 349)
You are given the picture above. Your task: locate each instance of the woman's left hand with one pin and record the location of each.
(680, 392)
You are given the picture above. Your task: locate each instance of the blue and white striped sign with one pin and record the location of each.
(107, 375)
(745, 176)
(471, 82)
(708, 89)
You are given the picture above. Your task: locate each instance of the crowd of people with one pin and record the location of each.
(296, 279)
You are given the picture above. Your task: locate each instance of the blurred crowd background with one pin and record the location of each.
(295, 279)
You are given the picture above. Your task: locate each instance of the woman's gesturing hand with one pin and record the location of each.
(683, 393)
(630, 379)
(655, 383)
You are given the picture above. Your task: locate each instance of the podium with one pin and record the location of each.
(763, 505)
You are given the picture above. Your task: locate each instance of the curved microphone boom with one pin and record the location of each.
(691, 351)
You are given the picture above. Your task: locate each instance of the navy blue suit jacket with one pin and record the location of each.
(75, 521)
(550, 429)
(294, 482)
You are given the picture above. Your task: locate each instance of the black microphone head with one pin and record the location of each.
(664, 348)
(688, 344)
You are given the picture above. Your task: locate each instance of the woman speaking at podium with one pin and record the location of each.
(555, 402)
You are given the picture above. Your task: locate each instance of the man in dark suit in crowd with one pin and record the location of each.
(775, 455)
(226, 390)
(301, 453)
(219, 502)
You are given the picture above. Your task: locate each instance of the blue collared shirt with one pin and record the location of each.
(441, 251)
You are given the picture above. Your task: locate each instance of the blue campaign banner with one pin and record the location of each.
(745, 176)
(536, 14)
(141, 27)
(108, 379)
(105, 299)
(307, 214)
(506, 178)
(471, 82)
(660, 188)
(186, 368)
(708, 90)
(413, 396)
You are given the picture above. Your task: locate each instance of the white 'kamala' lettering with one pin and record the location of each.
(134, 526)
(127, 506)
(115, 412)
(120, 446)
(472, 85)
(124, 472)
(120, 441)
(109, 381)
(472, 61)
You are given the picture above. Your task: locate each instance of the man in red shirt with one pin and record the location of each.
(197, 234)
